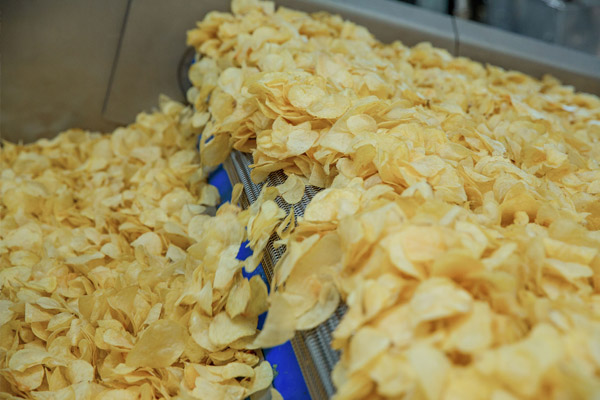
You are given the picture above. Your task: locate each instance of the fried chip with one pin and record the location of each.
(431, 369)
(365, 345)
(263, 376)
(127, 282)
(159, 346)
(292, 189)
(280, 323)
(458, 224)
(238, 299)
(258, 302)
(224, 330)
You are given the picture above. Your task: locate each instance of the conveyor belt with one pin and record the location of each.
(312, 347)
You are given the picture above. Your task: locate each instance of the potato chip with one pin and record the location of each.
(30, 379)
(302, 96)
(458, 224)
(238, 299)
(26, 358)
(292, 189)
(275, 395)
(150, 241)
(263, 376)
(280, 323)
(365, 345)
(119, 288)
(224, 330)
(431, 369)
(258, 302)
(438, 298)
(166, 338)
(328, 301)
(80, 371)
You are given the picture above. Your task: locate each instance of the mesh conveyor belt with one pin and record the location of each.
(312, 347)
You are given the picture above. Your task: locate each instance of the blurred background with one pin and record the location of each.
(574, 23)
(94, 65)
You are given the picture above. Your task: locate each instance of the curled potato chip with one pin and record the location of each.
(431, 369)
(279, 325)
(120, 288)
(439, 298)
(330, 106)
(80, 371)
(237, 370)
(263, 376)
(328, 301)
(238, 299)
(365, 345)
(224, 330)
(292, 189)
(30, 379)
(302, 96)
(275, 395)
(150, 241)
(159, 346)
(258, 302)
(458, 224)
(27, 358)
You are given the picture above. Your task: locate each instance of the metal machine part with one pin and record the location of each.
(574, 24)
(312, 347)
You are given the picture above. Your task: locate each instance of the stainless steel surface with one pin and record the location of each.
(573, 24)
(152, 46)
(56, 58)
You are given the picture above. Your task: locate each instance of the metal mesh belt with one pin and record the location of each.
(313, 351)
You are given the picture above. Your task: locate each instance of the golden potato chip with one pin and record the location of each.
(238, 299)
(236, 193)
(224, 330)
(237, 370)
(6, 313)
(438, 298)
(80, 371)
(263, 376)
(280, 323)
(258, 301)
(458, 224)
(26, 358)
(328, 301)
(331, 205)
(302, 96)
(431, 369)
(393, 375)
(329, 106)
(275, 395)
(167, 341)
(150, 241)
(30, 379)
(292, 189)
(474, 332)
(365, 345)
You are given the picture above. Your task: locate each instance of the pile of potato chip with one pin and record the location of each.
(115, 282)
(460, 224)
(461, 218)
